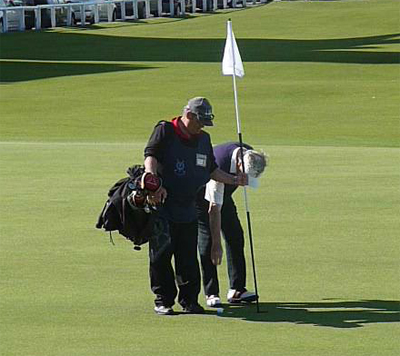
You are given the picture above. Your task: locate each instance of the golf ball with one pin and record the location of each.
(220, 311)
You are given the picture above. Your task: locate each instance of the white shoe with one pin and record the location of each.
(213, 301)
(234, 296)
(161, 310)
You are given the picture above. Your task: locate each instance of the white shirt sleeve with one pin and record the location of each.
(215, 192)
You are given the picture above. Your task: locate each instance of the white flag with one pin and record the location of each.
(231, 55)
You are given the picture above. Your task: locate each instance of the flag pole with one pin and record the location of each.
(239, 131)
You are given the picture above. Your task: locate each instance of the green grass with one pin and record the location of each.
(320, 95)
(322, 78)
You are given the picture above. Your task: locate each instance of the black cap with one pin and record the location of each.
(202, 108)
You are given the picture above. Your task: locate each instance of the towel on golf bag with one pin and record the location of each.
(122, 213)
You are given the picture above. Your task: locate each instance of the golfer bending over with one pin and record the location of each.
(216, 211)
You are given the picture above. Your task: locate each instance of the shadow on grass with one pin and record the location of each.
(335, 314)
(81, 47)
(14, 71)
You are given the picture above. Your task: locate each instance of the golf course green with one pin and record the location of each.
(320, 95)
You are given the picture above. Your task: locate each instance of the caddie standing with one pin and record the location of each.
(180, 152)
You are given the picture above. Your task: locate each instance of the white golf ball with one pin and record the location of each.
(220, 311)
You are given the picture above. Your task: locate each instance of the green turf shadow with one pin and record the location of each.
(59, 46)
(329, 313)
(15, 71)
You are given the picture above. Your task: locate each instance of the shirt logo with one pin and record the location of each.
(180, 168)
(201, 160)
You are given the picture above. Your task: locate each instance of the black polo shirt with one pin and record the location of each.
(184, 164)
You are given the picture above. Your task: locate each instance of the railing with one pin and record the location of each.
(72, 8)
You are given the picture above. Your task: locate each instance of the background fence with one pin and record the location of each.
(14, 17)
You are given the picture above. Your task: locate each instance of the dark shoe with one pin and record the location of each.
(162, 310)
(194, 309)
(234, 296)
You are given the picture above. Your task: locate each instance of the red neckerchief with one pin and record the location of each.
(179, 132)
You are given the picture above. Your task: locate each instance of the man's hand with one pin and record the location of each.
(158, 197)
(216, 253)
(242, 179)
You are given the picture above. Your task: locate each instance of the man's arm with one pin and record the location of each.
(214, 194)
(153, 152)
(150, 164)
(156, 145)
(158, 197)
(214, 213)
(226, 178)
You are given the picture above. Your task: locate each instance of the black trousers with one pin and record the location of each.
(234, 247)
(182, 245)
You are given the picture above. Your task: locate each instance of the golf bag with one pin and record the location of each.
(126, 209)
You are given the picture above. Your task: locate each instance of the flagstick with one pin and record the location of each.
(242, 159)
